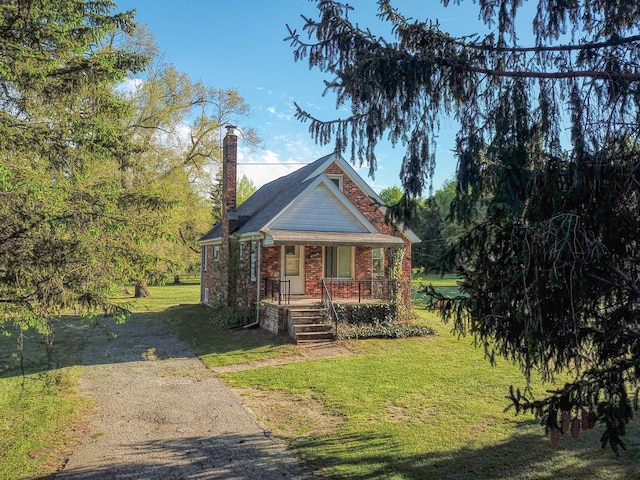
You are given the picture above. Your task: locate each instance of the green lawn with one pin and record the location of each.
(419, 408)
(444, 284)
(426, 408)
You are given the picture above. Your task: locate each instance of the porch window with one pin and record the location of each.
(377, 256)
(338, 262)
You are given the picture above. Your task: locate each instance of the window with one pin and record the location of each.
(377, 256)
(206, 295)
(203, 258)
(292, 260)
(337, 179)
(241, 252)
(253, 260)
(216, 253)
(338, 262)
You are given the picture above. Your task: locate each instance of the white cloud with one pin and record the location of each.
(129, 85)
(265, 166)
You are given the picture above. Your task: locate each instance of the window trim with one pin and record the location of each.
(253, 260)
(378, 273)
(337, 257)
(339, 178)
(203, 258)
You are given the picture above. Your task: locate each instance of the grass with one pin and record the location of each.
(38, 414)
(220, 347)
(419, 408)
(444, 284)
(424, 408)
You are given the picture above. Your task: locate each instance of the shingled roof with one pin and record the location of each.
(255, 212)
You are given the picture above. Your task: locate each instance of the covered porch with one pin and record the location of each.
(328, 266)
(332, 289)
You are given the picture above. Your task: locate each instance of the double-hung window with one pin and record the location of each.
(338, 262)
(377, 257)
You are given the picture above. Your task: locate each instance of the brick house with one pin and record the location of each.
(317, 234)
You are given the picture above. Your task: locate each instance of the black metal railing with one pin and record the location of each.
(327, 301)
(375, 289)
(277, 289)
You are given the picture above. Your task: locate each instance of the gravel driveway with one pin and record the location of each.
(160, 414)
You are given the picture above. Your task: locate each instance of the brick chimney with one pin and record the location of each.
(229, 169)
(229, 216)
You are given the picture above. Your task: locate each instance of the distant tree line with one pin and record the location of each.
(432, 220)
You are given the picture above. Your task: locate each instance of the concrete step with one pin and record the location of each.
(303, 312)
(312, 327)
(306, 337)
(309, 319)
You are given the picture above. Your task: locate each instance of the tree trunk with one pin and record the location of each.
(176, 279)
(141, 289)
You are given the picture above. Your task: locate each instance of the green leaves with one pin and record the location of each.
(547, 143)
(68, 223)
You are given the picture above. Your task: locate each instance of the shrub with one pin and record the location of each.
(232, 317)
(381, 330)
(366, 314)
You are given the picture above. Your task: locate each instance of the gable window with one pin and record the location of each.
(377, 256)
(337, 180)
(338, 262)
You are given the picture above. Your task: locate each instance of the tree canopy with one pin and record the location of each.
(548, 144)
(176, 126)
(69, 228)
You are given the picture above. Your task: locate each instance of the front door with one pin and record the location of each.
(293, 271)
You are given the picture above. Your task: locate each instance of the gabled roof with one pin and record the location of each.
(277, 205)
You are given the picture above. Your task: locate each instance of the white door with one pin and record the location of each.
(293, 271)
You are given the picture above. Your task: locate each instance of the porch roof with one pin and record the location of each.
(303, 237)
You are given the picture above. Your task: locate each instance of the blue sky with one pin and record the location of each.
(239, 44)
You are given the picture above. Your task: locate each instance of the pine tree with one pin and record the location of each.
(551, 278)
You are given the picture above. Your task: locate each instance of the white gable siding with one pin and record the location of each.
(319, 211)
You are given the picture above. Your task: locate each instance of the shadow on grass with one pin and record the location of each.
(347, 457)
(525, 456)
(143, 336)
(221, 456)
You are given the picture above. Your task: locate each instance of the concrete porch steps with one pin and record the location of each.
(310, 324)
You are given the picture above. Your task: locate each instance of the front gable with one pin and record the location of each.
(322, 207)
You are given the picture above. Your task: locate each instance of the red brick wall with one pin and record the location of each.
(270, 264)
(211, 278)
(313, 267)
(375, 215)
(313, 271)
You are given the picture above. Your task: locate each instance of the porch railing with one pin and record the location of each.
(278, 290)
(327, 301)
(376, 289)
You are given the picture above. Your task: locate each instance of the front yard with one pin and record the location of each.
(419, 408)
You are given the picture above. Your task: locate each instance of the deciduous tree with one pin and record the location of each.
(176, 126)
(548, 143)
